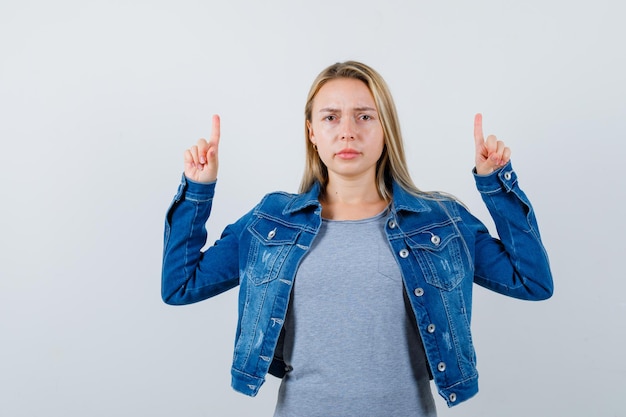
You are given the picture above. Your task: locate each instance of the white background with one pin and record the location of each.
(99, 99)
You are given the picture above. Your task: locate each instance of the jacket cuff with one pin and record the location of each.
(502, 179)
(195, 191)
(245, 384)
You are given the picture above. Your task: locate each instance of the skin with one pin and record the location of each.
(201, 161)
(346, 129)
(491, 154)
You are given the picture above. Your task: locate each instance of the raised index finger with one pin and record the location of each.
(215, 130)
(479, 139)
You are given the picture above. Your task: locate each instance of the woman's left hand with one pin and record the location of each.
(491, 154)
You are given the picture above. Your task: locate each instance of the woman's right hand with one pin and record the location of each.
(201, 159)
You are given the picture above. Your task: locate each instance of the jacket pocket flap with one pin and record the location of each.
(434, 238)
(270, 232)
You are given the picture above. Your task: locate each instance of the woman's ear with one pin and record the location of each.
(310, 129)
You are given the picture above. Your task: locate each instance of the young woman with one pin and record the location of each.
(358, 290)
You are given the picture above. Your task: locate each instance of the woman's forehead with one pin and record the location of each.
(344, 91)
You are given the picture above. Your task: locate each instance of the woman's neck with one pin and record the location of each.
(351, 200)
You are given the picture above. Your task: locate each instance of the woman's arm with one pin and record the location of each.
(517, 264)
(188, 274)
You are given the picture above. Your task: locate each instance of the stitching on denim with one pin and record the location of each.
(453, 330)
(186, 273)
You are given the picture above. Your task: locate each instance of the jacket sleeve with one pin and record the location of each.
(189, 274)
(516, 264)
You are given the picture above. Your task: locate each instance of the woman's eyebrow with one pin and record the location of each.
(365, 108)
(334, 110)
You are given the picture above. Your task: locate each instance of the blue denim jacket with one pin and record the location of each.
(440, 247)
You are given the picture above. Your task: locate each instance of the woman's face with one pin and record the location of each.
(345, 127)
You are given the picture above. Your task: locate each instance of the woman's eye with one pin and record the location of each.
(330, 118)
(366, 117)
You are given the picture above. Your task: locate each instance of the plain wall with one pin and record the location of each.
(99, 99)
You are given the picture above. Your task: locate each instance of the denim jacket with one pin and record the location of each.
(440, 247)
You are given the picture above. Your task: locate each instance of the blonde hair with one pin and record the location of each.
(392, 164)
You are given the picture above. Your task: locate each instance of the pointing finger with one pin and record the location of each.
(215, 134)
(479, 138)
(215, 131)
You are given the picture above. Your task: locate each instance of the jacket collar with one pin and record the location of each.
(405, 201)
(304, 200)
(402, 200)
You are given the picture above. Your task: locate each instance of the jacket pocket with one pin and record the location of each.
(270, 244)
(439, 253)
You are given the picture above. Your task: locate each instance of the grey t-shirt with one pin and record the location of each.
(347, 336)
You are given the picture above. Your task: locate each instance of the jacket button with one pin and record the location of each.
(404, 253)
(431, 329)
(392, 224)
(452, 397)
(418, 292)
(436, 240)
(271, 234)
(441, 366)
(507, 176)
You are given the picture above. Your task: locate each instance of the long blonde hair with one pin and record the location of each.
(392, 164)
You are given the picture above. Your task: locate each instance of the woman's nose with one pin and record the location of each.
(348, 129)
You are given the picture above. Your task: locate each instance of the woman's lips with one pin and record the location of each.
(347, 154)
